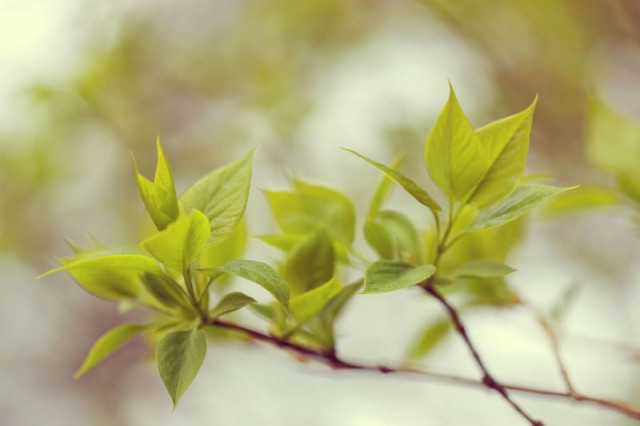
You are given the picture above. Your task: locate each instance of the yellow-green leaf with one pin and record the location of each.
(454, 155)
(310, 264)
(307, 304)
(261, 274)
(387, 275)
(231, 302)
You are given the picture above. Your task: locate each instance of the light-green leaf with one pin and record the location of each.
(262, 274)
(310, 264)
(393, 233)
(222, 196)
(231, 302)
(307, 304)
(179, 356)
(166, 291)
(583, 198)
(519, 202)
(309, 208)
(107, 344)
(383, 189)
(507, 143)
(454, 155)
(181, 242)
(429, 338)
(386, 275)
(482, 269)
(409, 185)
(159, 196)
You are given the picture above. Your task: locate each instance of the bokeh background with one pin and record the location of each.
(83, 84)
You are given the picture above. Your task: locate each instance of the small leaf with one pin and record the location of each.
(262, 274)
(584, 197)
(179, 356)
(231, 302)
(107, 344)
(410, 186)
(307, 304)
(521, 200)
(181, 242)
(482, 269)
(309, 208)
(310, 264)
(385, 275)
(384, 189)
(379, 239)
(159, 196)
(430, 338)
(401, 236)
(454, 155)
(507, 143)
(288, 242)
(166, 291)
(222, 196)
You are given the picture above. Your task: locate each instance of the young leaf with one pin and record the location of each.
(309, 208)
(311, 264)
(401, 236)
(222, 196)
(521, 200)
(261, 274)
(108, 275)
(230, 249)
(386, 275)
(384, 189)
(107, 344)
(482, 269)
(584, 197)
(379, 239)
(288, 242)
(181, 242)
(159, 196)
(454, 155)
(179, 356)
(429, 338)
(307, 304)
(507, 143)
(166, 291)
(231, 302)
(410, 186)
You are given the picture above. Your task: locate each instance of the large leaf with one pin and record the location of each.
(179, 356)
(225, 251)
(159, 196)
(222, 196)
(521, 200)
(231, 302)
(454, 155)
(108, 275)
(387, 275)
(262, 274)
(307, 304)
(507, 143)
(107, 344)
(410, 186)
(309, 208)
(181, 242)
(310, 264)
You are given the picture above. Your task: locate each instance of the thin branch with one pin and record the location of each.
(555, 345)
(331, 359)
(488, 380)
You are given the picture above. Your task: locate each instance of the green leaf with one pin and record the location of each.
(231, 302)
(225, 251)
(386, 275)
(384, 189)
(166, 290)
(391, 232)
(310, 264)
(521, 200)
(262, 274)
(108, 275)
(454, 155)
(307, 304)
(409, 185)
(179, 356)
(309, 208)
(430, 338)
(583, 198)
(222, 196)
(507, 143)
(159, 196)
(288, 242)
(482, 269)
(107, 344)
(181, 242)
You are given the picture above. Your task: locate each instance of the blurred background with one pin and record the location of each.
(83, 84)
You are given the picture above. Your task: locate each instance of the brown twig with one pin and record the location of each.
(332, 360)
(487, 379)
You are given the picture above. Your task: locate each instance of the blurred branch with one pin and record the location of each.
(333, 360)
